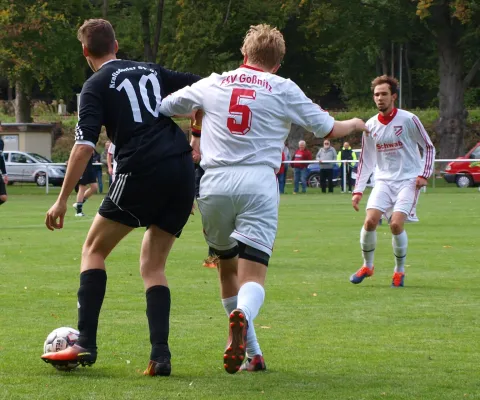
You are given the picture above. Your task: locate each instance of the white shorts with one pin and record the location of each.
(395, 196)
(239, 203)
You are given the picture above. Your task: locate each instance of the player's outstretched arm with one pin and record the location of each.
(300, 109)
(345, 128)
(77, 163)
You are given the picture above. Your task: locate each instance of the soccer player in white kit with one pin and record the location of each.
(247, 117)
(392, 149)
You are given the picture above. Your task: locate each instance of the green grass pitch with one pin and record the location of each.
(322, 337)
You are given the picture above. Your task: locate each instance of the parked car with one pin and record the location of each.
(30, 167)
(466, 173)
(313, 173)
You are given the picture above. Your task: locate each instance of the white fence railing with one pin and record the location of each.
(344, 162)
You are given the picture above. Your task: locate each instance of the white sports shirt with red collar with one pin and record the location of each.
(392, 149)
(248, 114)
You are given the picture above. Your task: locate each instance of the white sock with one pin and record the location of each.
(368, 241)
(250, 298)
(253, 347)
(400, 244)
(229, 304)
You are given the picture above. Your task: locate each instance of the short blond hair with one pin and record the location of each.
(264, 45)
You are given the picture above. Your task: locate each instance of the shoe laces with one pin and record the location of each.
(397, 278)
(364, 271)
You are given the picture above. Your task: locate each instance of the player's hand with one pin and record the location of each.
(421, 182)
(195, 143)
(110, 171)
(192, 211)
(356, 200)
(5, 179)
(360, 126)
(55, 216)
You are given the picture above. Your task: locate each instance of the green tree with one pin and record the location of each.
(454, 26)
(38, 45)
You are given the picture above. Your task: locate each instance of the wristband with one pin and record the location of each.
(196, 131)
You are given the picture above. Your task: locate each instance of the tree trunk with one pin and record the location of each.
(452, 119)
(147, 48)
(409, 99)
(23, 109)
(227, 14)
(383, 55)
(158, 29)
(104, 9)
(392, 60)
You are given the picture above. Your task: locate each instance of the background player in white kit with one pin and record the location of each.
(248, 113)
(392, 150)
(111, 162)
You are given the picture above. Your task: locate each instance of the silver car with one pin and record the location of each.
(30, 167)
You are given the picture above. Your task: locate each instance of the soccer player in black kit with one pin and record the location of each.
(154, 185)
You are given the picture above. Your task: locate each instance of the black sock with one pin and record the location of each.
(79, 208)
(211, 252)
(158, 314)
(93, 283)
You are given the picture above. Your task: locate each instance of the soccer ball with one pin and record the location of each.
(60, 339)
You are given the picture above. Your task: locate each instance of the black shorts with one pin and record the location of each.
(89, 176)
(3, 189)
(162, 196)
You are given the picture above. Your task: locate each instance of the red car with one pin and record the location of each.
(466, 173)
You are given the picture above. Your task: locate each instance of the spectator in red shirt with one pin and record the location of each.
(300, 169)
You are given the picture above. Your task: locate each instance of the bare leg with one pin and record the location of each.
(102, 238)
(227, 273)
(81, 193)
(156, 246)
(90, 191)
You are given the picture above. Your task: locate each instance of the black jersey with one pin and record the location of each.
(125, 96)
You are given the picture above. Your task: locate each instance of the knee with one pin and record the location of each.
(396, 227)
(370, 224)
(3, 199)
(149, 267)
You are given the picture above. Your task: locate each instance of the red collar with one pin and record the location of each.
(385, 120)
(250, 67)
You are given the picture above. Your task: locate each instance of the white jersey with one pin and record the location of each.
(391, 149)
(247, 116)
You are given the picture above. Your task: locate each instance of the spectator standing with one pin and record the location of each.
(282, 173)
(326, 153)
(346, 153)
(300, 169)
(104, 160)
(98, 170)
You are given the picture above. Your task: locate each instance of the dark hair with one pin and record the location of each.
(389, 80)
(98, 36)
